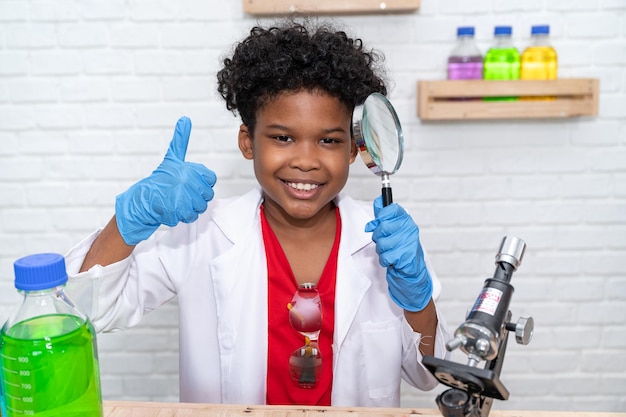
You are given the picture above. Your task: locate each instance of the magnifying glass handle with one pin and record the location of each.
(387, 199)
(386, 190)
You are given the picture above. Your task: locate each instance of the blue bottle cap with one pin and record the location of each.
(540, 30)
(40, 272)
(465, 31)
(503, 30)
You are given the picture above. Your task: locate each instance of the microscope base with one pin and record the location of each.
(475, 381)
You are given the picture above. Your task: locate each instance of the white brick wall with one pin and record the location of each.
(90, 92)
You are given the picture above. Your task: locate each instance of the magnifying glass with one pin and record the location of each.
(378, 134)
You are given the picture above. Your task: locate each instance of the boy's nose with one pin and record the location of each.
(306, 157)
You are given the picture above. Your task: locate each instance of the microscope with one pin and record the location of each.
(483, 338)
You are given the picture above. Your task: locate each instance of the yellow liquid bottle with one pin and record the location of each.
(539, 63)
(539, 60)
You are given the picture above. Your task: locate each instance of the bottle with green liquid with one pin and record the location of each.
(502, 60)
(48, 352)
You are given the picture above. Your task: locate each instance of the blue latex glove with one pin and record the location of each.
(177, 191)
(399, 250)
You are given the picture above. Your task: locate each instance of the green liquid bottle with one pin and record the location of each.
(48, 353)
(502, 60)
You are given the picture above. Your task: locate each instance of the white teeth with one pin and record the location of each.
(302, 186)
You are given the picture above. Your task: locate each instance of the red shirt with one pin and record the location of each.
(282, 338)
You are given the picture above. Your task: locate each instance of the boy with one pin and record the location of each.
(283, 297)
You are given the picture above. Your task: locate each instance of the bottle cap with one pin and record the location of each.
(503, 30)
(540, 30)
(465, 31)
(39, 272)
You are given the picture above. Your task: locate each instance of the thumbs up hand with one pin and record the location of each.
(177, 191)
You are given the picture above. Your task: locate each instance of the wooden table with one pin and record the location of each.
(157, 409)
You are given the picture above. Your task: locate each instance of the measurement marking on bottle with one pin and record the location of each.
(25, 412)
(11, 358)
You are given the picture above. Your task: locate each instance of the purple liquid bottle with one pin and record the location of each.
(465, 62)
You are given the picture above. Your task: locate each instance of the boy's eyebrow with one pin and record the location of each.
(328, 130)
(277, 126)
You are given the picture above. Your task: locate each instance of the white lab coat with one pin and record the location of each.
(216, 267)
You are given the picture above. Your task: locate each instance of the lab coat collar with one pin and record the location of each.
(235, 228)
(246, 209)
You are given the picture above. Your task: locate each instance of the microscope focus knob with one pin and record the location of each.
(524, 329)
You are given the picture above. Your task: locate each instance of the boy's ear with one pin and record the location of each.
(245, 142)
(354, 150)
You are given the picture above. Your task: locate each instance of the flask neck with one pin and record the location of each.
(466, 41)
(51, 301)
(465, 46)
(540, 40)
(503, 41)
(465, 38)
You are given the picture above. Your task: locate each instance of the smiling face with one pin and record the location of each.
(302, 149)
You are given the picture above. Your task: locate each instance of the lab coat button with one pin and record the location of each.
(227, 341)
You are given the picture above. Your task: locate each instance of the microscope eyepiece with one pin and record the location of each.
(511, 251)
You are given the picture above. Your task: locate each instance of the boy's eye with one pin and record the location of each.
(286, 138)
(282, 138)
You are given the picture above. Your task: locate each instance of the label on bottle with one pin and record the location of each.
(538, 63)
(465, 70)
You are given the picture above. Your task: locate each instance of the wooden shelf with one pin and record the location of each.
(463, 99)
(277, 7)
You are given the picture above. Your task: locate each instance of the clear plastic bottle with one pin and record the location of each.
(502, 60)
(48, 352)
(539, 60)
(465, 61)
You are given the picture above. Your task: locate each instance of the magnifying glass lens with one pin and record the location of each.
(379, 138)
(382, 135)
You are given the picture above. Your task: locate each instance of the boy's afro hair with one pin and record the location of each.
(292, 57)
